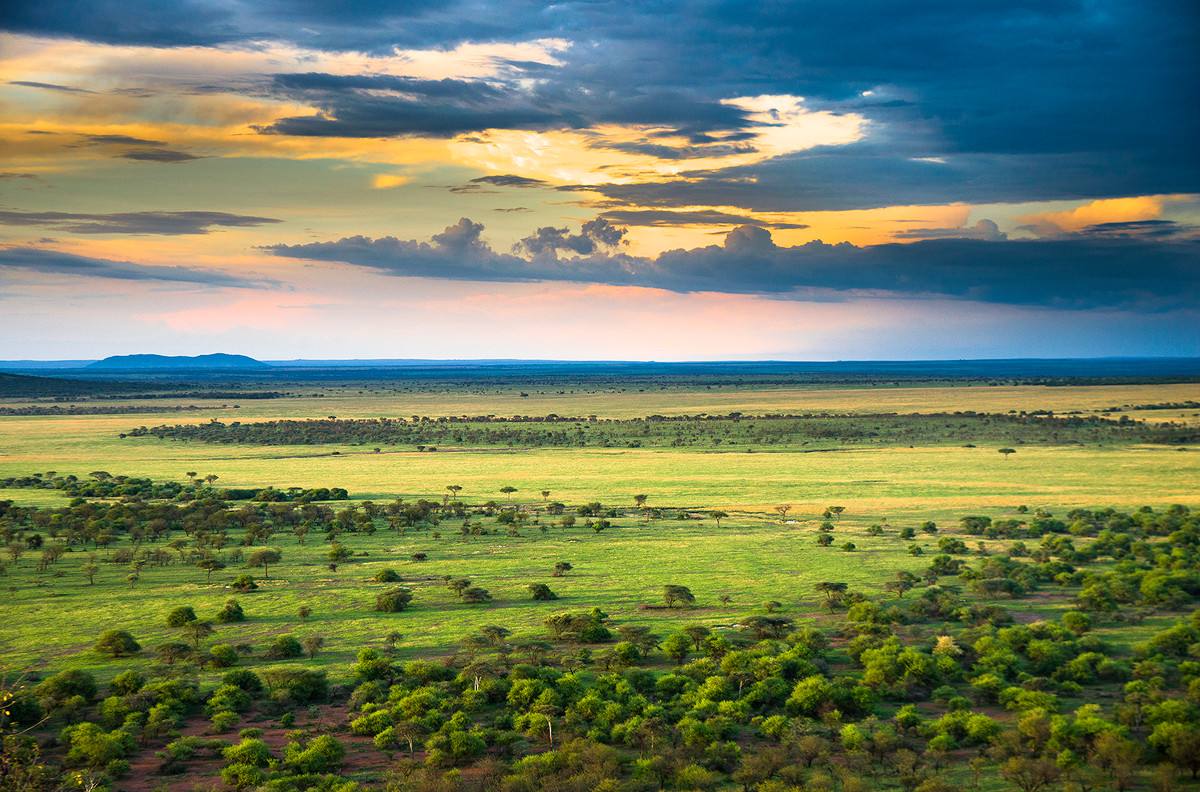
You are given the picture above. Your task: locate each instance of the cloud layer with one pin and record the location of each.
(1083, 271)
(168, 223)
(55, 262)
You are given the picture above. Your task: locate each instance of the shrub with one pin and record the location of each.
(475, 595)
(224, 721)
(222, 656)
(117, 643)
(181, 616)
(302, 685)
(64, 685)
(250, 751)
(284, 647)
(127, 682)
(245, 679)
(229, 698)
(244, 584)
(386, 576)
(540, 591)
(92, 746)
(232, 612)
(323, 754)
(393, 600)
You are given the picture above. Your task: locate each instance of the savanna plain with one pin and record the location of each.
(603, 585)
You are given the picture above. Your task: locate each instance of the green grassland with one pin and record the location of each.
(50, 617)
(751, 557)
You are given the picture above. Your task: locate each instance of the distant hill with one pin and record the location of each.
(218, 361)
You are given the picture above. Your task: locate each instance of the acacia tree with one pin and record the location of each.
(264, 557)
(1007, 451)
(718, 515)
(197, 631)
(833, 591)
(509, 492)
(676, 596)
(210, 565)
(311, 644)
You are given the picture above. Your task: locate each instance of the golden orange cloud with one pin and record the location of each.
(1107, 210)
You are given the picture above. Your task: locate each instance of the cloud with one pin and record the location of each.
(594, 235)
(122, 140)
(509, 180)
(1077, 273)
(49, 86)
(1141, 229)
(159, 155)
(56, 262)
(668, 218)
(167, 223)
(983, 229)
(976, 103)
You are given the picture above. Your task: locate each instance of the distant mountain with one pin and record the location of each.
(219, 361)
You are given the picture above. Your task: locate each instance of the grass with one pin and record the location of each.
(751, 557)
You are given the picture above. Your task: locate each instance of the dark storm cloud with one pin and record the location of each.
(55, 262)
(1080, 272)
(1024, 100)
(865, 176)
(137, 223)
(388, 106)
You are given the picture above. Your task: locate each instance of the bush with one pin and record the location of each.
(393, 600)
(245, 679)
(284, 647)
(250, 751)
(232, 612)
(224, 721)
(222, 656)
(92, 746)
(386, 576)
(323, 754)
(127, 682)
(301, 685)
(65, 685)
(117, 643)
(181, 616)
(475, 595)
(244, 584)
(542, 592)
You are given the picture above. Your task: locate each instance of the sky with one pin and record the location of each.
(655, 181)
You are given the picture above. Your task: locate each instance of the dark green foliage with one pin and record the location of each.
(676, 430)
(284, 647)
(231, 612)
(117, 643)
(181, 616)
(676, 596)
(393, 600)
(541, 592)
